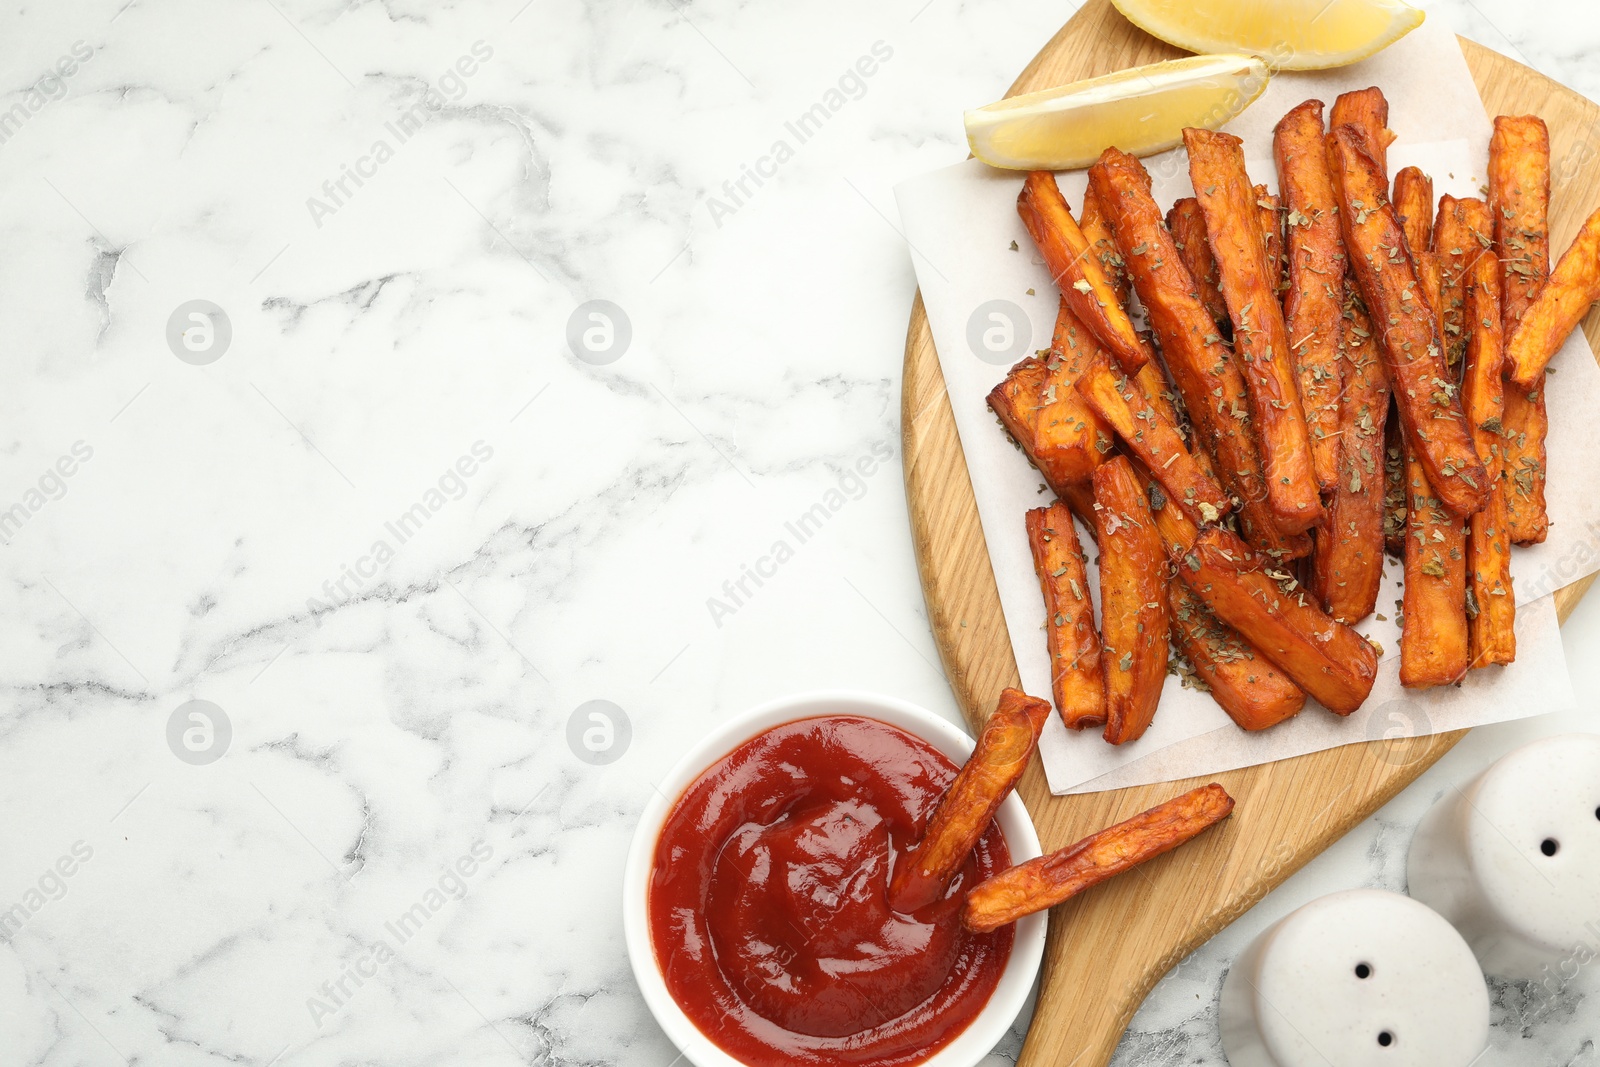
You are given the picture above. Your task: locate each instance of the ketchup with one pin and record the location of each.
(768, 901)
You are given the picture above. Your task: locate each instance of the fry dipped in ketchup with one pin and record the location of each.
(997, 763)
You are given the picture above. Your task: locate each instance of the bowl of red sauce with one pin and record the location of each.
(755, 900)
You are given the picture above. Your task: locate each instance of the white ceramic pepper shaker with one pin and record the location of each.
(1355, 978)
(1513, 859)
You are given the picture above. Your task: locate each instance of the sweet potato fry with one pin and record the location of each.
(1077, 270)
(1103, 246)
(1458, 250)
(1560, 305)
(1133, 602)
(1347, 563)
(1253, 692)
(1327, 659)
(1519, 201)
(1153, 439)
(1188, 228)
(1313, 303)
(1158, 393)
(1049, 880)
(991, 772)
(1526, 424)
(1200, 364)
(1272, 232)
(1413, 207)
(1413, 353)
(1482, 391)
(1247, 686)
(1463, 238)
(1176, 528)
(1016, 402)
(1491, 608)
(1430, 281)
(1065, 423)
(1394, 485)
(1367, 110)
(1433, 643)
(1260, 339)
(1047, 418)
(1076, 677)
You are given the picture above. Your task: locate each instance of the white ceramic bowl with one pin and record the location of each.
(1027, 950)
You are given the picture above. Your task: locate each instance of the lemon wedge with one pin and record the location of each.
(1289, 34)
(1140, 110)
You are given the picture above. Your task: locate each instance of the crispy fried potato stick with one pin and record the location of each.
(1158, 393)
(1151, 379)
(1519, 200)
(1314, 302)
(1460, 248)
(1260, 339)
(1413, 354)
(1077, 270)
(1413, 207)
(1327, 659)
(1103, 246)
(1347, 564)
(1246, 685)
(1016, 402)
(1272, 232)
(1200, 364)
(1560, 305)
(1153, 438)
(1069, 438)
(1157, 389)
(991, 772)
(1253, 692)
(1397, 477)
(1176, 528)
(1434, 642)
(1133, 602)
(1367, 110)
(1188, 228)
(1076, 677)
(1526, 424)
(1047, 881)
(1394, 485)
(1491, 608)
(1048, 419)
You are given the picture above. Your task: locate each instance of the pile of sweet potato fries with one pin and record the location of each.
(925, 873)
(1328, 373)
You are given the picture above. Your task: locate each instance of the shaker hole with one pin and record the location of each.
(1363, 970)
(1385, 1038)
(1550, 846)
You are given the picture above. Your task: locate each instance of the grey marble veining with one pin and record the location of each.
(398, 537)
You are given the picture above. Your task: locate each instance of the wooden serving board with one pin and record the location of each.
(1108, 947)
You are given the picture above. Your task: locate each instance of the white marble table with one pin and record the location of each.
(399, 536)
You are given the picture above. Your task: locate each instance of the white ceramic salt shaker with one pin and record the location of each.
(1356, 978)
(1513, 859)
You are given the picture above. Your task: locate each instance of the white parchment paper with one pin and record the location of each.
(982, 295)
